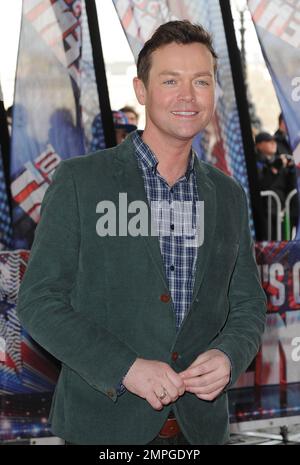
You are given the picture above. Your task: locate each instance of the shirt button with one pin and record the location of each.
(110, 393)
(172, 226)
(172, 267)
(165, 298)
(175, 356)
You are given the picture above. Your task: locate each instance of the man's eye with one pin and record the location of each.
(200, 82)
(170, 81)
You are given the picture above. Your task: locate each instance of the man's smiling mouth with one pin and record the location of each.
(184, 113)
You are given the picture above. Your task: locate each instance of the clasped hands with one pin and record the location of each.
(160, 385)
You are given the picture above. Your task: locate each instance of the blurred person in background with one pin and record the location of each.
(123, 126)
(276, 172)
(282, 138)
(131, 113)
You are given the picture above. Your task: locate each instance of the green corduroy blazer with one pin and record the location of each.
(95, 302)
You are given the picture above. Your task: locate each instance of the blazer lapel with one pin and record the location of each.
(207, 192)
(129, 179)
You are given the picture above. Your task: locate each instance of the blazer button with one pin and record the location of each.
(110, 393)
(175, 356)
(165, 298)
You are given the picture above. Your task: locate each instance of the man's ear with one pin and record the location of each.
(140, 90)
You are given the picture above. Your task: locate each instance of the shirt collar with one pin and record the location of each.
(148, 158)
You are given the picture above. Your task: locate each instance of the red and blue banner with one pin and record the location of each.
(271, 386)
(55, 105)
(55, 116)
(27, 374)
(277, 24)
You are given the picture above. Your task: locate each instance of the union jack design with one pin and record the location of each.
(30, 185)
(23, 366)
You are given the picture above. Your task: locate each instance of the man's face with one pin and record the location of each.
(179, 96)
(268, 148)
(132, 118)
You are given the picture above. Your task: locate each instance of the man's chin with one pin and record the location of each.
(188, 133)
(186, 136)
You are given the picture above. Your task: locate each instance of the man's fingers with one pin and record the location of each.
(211, 396)
(202, 381)
(206, 356)
(166, 395)
(147, 376)
(177, 382)
(202, 358)
(207, 362)
(173, 385)
(154, 401)
(202, 364)
(198, 370)
(208, 388)
(207, 379)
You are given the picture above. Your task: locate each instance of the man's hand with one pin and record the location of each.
(207, 375)
(154, 381)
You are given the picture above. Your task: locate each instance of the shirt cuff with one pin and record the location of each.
(120, 389)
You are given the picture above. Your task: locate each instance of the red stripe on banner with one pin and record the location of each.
(48, 166)
(24, 255)
(47, 159)
(33, 208)
(37, 11)
(281, 30)
(32, 358)
(10, 363)
(19, 198)
(72, 30)
(127, 18)
(259, 10)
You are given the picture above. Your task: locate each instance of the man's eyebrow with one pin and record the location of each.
(175, 73)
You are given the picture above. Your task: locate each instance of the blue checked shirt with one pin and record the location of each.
(178, 249)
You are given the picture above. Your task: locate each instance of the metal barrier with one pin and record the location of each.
(280, 214)
(287, 208)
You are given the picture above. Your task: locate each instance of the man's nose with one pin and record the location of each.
(186, 92)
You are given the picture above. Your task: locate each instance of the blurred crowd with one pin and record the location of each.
(277, 179)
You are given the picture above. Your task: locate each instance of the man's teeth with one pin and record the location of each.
(184, 113)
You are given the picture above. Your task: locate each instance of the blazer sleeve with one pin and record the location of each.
(44, 303)
(240, 337)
